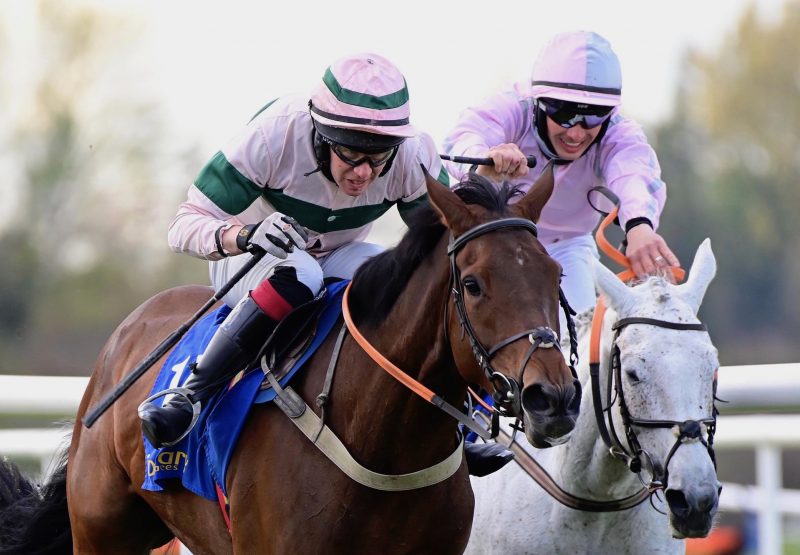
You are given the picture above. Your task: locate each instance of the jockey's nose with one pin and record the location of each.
(363, 170)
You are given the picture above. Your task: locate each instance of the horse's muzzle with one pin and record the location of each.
(550, 412)
(691, 513)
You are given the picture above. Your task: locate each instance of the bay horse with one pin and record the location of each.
(666, 371)
(284, 495)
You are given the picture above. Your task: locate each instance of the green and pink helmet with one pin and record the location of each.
(362, 102)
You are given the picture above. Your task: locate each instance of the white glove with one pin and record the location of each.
(277, 234)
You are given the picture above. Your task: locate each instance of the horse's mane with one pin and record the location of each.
(658, 283)
(583, 321)
(378, 282)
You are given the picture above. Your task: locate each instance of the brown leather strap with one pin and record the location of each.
(541, 477)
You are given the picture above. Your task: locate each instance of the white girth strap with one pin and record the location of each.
(327, 442)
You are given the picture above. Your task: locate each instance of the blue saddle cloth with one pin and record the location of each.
(200, 460)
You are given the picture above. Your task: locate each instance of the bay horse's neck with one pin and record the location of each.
(405, 431)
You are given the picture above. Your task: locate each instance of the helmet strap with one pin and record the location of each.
(322, 152)
(603, 129)
(388, 165)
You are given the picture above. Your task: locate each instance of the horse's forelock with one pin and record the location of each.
(477, 190)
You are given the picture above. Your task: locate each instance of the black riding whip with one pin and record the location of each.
(481, 161)
(104, 404)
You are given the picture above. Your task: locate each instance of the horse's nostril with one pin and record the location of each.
(535, 399)
(550, 401)
(707, 499)
(677, 502)
(705, 504)
(575, 403)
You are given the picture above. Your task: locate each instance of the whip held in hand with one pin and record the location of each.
(481, 161)
(173, 338)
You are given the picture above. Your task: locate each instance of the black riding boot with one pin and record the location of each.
(234, 344)
(485, 458)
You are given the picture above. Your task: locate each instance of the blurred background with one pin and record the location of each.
(109, 109)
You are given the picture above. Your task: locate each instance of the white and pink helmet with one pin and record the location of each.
(364, 93)
(578, 66)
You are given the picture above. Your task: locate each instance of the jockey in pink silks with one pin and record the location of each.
(569, 114)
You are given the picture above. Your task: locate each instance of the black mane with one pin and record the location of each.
(378, 282)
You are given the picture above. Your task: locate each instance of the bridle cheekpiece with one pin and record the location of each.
(507, 395)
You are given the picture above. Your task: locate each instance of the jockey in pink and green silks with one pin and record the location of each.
(303, 181)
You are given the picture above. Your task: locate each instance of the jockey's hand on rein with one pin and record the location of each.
(277, 234)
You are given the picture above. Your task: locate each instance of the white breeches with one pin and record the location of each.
(340, 263)
(575, 256)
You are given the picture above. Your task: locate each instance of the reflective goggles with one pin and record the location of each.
(569, 114)
(355, 158)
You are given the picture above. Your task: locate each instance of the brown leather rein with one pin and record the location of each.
(547, 483)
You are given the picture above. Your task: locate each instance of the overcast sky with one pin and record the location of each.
(224, 63)
(210, 65)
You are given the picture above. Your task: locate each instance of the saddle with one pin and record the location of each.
(292, 337)
(205, 453)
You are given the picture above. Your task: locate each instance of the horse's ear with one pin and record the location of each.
(538, 195)
(703, 269)
(618, 295)
(452, 210)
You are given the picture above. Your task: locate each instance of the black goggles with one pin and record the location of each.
(355, 158)
(569, 114)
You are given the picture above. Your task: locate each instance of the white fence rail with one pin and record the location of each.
(750, 388)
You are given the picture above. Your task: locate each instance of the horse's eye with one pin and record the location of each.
(633, 377)
(472, 286)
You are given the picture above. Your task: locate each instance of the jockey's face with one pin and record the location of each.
(571, 143)
(352, 181)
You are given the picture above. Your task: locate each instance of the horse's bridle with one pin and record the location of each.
(507, 394)
(634, 456)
